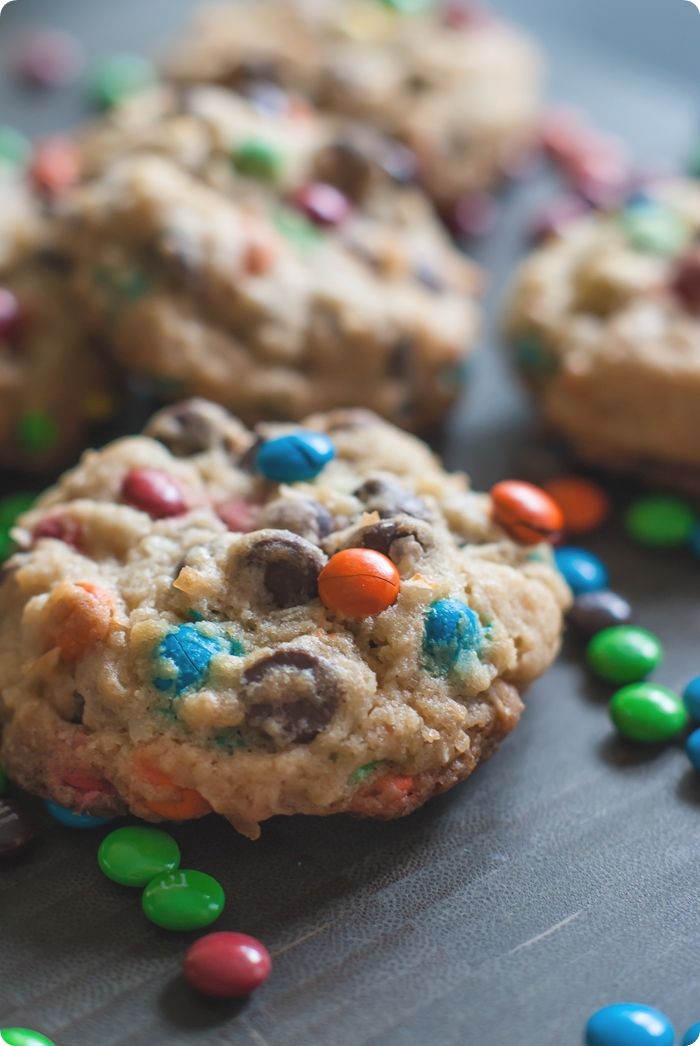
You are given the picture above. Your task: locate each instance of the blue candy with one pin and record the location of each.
(71, 820)
(452, 636)
(692, 1035)
(692, 749)
(691, 699)
(629, 1024)
(582, 571)
(294, 458)
(183, 657)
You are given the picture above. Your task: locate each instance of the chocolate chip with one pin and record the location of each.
(389, 498)
(291, 696)
(250, 71)
(399, 361)
(302, 516)
(347, 165)
(189, 428)
(16, 830)
(290, 567)
(394, 537)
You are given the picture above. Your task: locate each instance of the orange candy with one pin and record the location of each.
(183, 804)
(79, 616)
(585, 504)
(359, 582)
(55, 166)
(526, 513)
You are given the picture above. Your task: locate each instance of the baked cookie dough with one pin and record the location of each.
(605, 321)
(240, 297)
(457, 86)
(286, 620)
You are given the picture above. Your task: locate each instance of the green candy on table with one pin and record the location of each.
(258, 159)
(648, 712)
(15, 149)
(133, 856)
(119, 77)
(624, 654)
(36, 431)
(10, 508)
(183, 900)
(652, 227)
(661, 520)
(23, 1037)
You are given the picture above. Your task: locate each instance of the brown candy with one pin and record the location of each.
(291, 696)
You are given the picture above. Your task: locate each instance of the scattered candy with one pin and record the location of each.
(585, 504)
(582, 571)
(652, 227)
(16, 830)
(648, 712)
(322, 204)
(691, 699)
(55, 166)
(119, 77)
(184, 655)
(594, 611)
(183, 900)
(15, 149)
(257, 158)
(51, 58)
(692, 1036)
(525, 512)
(154, 492)
(629, 1024)
(295, 458)
(692, 748)
(227, 965)
(37, 432)
(134, 856)
(78, 617)
(358, 582)
(624, 654)
(23, 1037)
(73, 820)
(661, 521)
(452, 637)
(10, 315)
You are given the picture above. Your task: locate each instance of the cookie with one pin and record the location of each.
(270, 300)
(457, 86)
(288, 620)
(605, 320)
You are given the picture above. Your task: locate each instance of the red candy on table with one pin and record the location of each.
(359, 582)
(55, 166)
(154, 492)
(585, 504)
(322, 204)
(526, 512)
(10, 315)
(227, 965)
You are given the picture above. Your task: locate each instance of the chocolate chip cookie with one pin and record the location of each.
(295, 619)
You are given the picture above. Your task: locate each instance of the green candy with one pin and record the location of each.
(23, 1037)
(10, 508)
(653, 228)
(135, 856)
(297, 229)
(661, 521)
(624, 654)
(36, 431)
(119, 77)
(183, 900)
(363, 772)
(15, 149)
(648, 712)
(257, 159)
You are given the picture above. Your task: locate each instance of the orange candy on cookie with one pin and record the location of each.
(358, 582)
(181, 804)
(526, 513)
(79, 616)
(585, 504)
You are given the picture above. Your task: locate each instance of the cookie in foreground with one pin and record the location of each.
(310, 619)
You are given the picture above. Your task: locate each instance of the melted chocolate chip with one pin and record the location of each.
(290, 567)
(302, 516)
(188, 428)
(383, 536)
(291, 696)
(389, 498)
(347, 165)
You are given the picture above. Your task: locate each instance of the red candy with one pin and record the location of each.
(61, 528)
(359, 582)
(585, 504)
(51, 58)
(10, 315)
(154, 492)
(322, 204)
(526, 513)
(55, 166)
(227, 965)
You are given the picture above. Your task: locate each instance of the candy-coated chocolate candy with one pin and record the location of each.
(73, 820)
(260, 256)
(584, 503)
(59, 528)
(36, 431)
(55, 166)
(692, 748)
(629, 1024)
(16, 829)
(594, 611)
(227, 965)
(661, 521)
(184, 655)
(358, 582)
(297, 228)
(452, 636)
(15, 149)
(23, 1037)
(78, 618)
(624, 654)
(154, 492)
(691, 1037)
(183, 900)
(174, 803)
(525, 512)
(295, 458)
(119, 77)
(10, 315)
(691, 699)
(133, 856)
(51, 58)
(582, 571)
(322, 204)
(685, 281)
(648, 712)
(652, 227)
(257, 158)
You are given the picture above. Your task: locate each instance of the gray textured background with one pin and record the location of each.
(563, 876)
